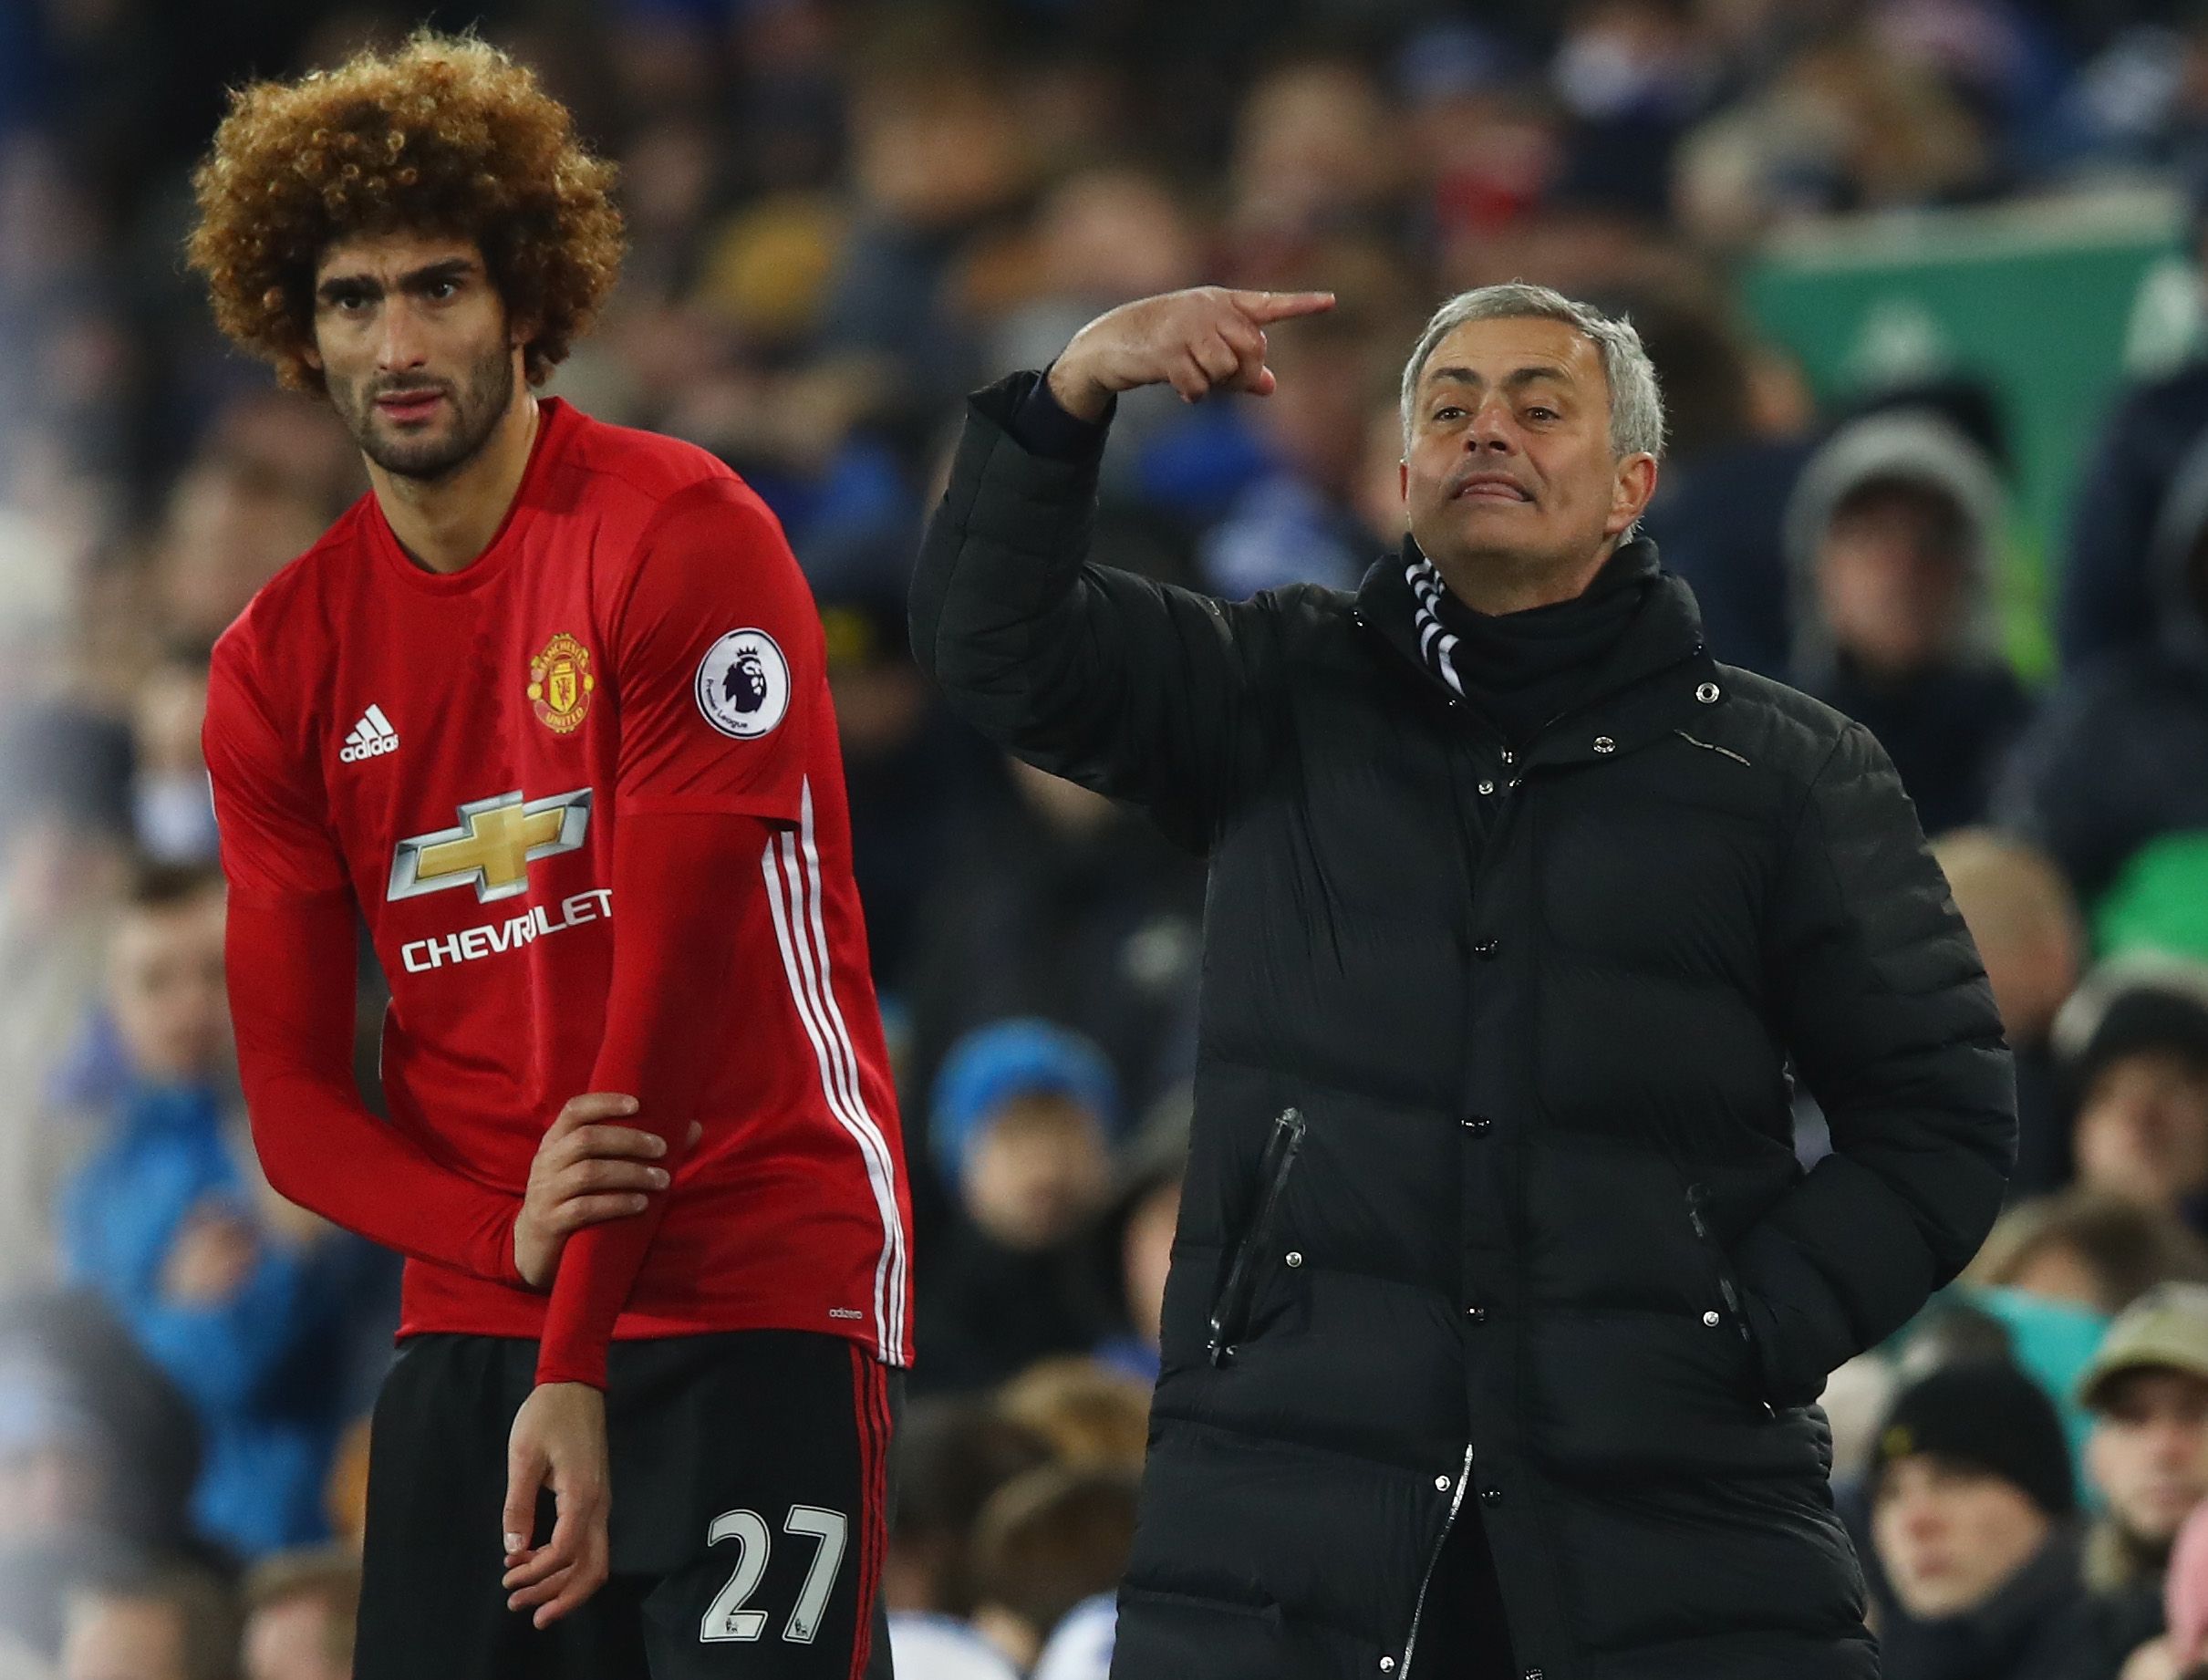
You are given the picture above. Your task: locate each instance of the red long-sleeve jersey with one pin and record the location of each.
(586, 795)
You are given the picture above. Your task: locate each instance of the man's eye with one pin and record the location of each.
(438, 291)
(1538, 413)
(1448, 410)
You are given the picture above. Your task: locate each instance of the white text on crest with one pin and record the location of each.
(516, 931)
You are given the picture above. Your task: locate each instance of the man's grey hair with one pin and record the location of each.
(1636, 406)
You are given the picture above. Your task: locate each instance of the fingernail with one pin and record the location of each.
(513, 1543)
(637, 1204)
(659, 1178)
(658, 1146)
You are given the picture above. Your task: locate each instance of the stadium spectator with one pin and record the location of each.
(299, 1610)
(908, 768)
(2024, 919)
(98, 1442)
(1043, 1544)
(2148, 1391)
(172, 813)
(1058, 903)
(239, 1299)
(954, 1452)
(2132, 1046)
(166, 1623)
(1091, 1415)
(2111, 598)
(2108, 779)
(937, 167)
(1893, 533)
(2088, 1248)
(1102, 234)
(1718, 516)
(1298, 521)
(63, 865)
(1138, 1232)
(1972, 1501)
(230, 525)
(1021, 1126)
(1318, 151)
(1842, 123)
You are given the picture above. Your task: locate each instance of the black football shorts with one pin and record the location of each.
(751, 1489)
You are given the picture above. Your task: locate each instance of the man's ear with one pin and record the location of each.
(1403, 479)
(1629, 492)
(311, 356)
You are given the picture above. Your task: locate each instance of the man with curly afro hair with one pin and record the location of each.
(548, 710)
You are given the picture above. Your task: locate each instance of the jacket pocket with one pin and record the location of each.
(1231, 1310)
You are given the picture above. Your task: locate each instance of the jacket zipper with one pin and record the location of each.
(1410, 1645)
(1227, 1318)
(1695, 1195)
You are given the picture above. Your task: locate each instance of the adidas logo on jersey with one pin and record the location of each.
(371, 737)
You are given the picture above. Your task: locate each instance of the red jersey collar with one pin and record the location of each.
(555, 424)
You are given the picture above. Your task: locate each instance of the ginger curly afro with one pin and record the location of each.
(445, 136)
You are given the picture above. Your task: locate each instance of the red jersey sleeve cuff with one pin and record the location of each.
(498, 1256)
(560, 1364)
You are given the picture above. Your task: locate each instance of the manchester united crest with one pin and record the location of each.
(560, 683)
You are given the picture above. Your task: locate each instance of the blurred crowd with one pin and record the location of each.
(843, 217)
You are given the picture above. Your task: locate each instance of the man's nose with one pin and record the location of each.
(402, 344)
(1492, 429)
(1920, 1518)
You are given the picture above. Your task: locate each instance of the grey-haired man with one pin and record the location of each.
(1500, 1302)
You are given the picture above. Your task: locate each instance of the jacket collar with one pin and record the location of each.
(1654, 679)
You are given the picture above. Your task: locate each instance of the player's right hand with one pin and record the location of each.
(1204, 339)
(585, 1172)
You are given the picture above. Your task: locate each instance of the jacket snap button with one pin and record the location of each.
(1295, 1257)
(1711, 1318)
(1493, 1496)
(1706, 693)
(1487, 787)
(1603, 744)
(1441, 1484)
(1387, 1664)
(1533, 1673)
(1479, 1314)
(1476, 1126)
(1485, 950)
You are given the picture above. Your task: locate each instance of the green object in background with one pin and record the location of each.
(2053, 305)
(2158, 901)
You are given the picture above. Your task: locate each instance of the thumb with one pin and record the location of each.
(697, 1131)
(524, 1473)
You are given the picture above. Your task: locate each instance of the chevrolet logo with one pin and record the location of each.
(497, 840)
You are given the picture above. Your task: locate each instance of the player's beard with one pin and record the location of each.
(479, 400)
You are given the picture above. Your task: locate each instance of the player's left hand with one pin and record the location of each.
(558, 1442)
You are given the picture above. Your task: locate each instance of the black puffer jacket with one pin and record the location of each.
(1528, 1018)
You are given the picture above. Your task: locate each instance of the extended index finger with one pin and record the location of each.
(1262, 307)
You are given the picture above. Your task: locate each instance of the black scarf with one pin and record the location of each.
(1521, 669)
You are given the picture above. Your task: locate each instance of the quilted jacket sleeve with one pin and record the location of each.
(1136, 690)
(1890, 1022)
